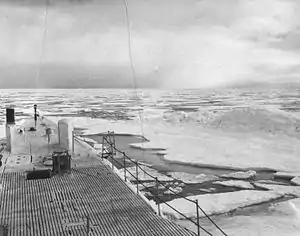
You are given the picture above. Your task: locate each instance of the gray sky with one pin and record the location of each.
(176, 43)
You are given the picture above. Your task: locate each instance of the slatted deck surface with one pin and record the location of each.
(58, 206)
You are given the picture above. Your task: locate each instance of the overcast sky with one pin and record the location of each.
(176, 43)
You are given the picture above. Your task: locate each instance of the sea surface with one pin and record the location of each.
(193, 107)
(122, 104)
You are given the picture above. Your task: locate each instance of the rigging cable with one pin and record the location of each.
(132, 66)
(135, 88)
(43, 44)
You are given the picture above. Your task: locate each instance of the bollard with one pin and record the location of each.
(124, 159)
(157, 193)
(198, 219)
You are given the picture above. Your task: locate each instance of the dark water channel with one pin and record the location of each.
(157, 161)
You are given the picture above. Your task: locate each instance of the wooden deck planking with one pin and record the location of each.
(58, 206)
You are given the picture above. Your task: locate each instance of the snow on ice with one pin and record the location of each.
(241, 175)
(235, 183)
(219, 203)
(286, 175)
(194, 145)
(192, 178)
(296, 180)
(286, 190)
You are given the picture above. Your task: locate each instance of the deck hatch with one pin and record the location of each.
(38, 174)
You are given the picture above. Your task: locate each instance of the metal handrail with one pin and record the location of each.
(211, 220)
(158, 199)
(138, 166)
(91, 175)
(179, 195)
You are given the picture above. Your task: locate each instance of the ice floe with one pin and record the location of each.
(286, 175)
(207, 146)
(263, 181)
(168, 188)
(173, 190)
(192, 178)
(281, 218)
(219, 203)
(296, 180)
(241, 175)
(206, 190)
(235, 183)
(286, 190)
(295, 205)
(146, 146)
(258, 119)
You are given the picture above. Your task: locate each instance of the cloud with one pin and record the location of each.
(183, 44)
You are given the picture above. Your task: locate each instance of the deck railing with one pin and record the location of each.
(138, 167)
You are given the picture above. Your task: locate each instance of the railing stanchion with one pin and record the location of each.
(103, 148)
(112, 162)
(124, 159)
(157, 193)
(137, 176)
(111, 151)
(73, 142)
(198, 219)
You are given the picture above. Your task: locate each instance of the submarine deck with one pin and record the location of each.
(61, 205)
(91, 198)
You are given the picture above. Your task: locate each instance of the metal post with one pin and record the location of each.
(198, 219)
(102, 153)
(124, 156)
(58, 134)
(73, 139)
(157, 193)
(35, 115)
(137, 176)
(112, 162)
(114, 143)
(111, 151)
(30, 152)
